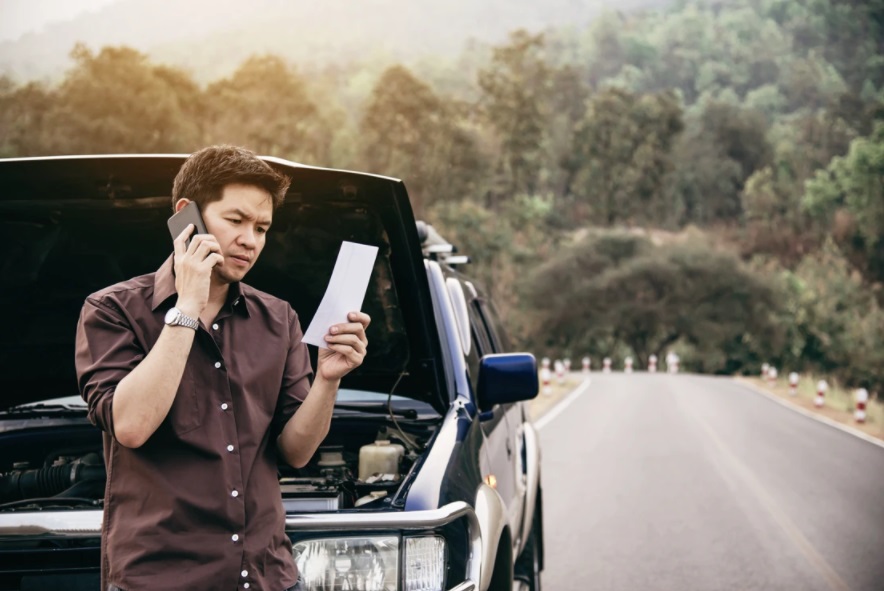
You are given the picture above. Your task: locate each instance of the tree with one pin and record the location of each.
(850, 194)
(722, 146)
(514, 90)
(266, 106)
(409, 132)
(117, 101)
(649, 298)
(623, 145)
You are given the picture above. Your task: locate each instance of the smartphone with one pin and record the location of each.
(189, 214)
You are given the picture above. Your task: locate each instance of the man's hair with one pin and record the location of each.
(205, 173)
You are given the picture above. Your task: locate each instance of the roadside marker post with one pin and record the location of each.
(545, 362)
(627, 365)
(586, 362)
(764, 368)
(793, 384)
(652, 364)
(607, 365)
(545, 376)
(560, 371)
(772, 375)
(821, 388)
(567, 363)
(862, 397)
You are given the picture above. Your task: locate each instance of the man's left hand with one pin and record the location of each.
(346, 347)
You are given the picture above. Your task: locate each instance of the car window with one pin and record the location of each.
(491, 321)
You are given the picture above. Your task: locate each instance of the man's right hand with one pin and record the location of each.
(193, 270)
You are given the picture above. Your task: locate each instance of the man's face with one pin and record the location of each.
(239, 221)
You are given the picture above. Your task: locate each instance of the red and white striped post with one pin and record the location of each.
(793, 384)
(545, 362)
(821, 388)
(764, 368)
(652, 364)
(607, 365)
(862, 397)
(560, 371)
(627, 365)
(772, 376)
(567, 363)
(586, 362)
(545, 377)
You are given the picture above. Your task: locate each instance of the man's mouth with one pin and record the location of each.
(241, 260)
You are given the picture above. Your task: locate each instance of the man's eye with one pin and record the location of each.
(262, 230)
(233, 220)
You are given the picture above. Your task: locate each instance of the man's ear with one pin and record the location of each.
(179, 205)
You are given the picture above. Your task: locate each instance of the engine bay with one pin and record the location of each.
(362, 464)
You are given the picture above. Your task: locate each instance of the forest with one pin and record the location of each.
(706, 177)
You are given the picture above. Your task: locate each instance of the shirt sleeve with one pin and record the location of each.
(106, 351)
(296, 377)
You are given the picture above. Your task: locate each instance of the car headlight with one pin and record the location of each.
(424, 563)
(370, 563)
(360, 564)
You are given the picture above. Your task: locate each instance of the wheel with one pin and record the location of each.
(529, 564)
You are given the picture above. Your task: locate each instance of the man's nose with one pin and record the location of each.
(248, 237)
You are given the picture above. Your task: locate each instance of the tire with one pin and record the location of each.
(529, 564)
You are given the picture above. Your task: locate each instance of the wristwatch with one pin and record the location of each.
(175, 317)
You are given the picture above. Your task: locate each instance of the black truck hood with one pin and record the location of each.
(73, 225)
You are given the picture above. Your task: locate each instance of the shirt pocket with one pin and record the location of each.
(186, 412)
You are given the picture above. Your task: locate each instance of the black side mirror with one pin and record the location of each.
(507, 377)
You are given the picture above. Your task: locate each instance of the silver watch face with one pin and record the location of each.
(172, 315)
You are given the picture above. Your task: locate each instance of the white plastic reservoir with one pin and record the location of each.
(380, 457)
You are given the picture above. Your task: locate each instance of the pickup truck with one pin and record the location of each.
(459, 505)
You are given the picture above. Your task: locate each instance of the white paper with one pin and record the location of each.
(345, 290)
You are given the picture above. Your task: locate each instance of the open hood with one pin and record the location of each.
(73, 225)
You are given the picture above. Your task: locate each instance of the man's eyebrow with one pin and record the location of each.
(242, 214)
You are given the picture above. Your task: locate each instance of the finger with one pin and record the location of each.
(353, 356)
(181, 240)
(347, 339)
(200, 239)
(212, 260)
(360, 317)
(205, 247)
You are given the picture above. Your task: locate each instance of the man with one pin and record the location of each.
(195, 379)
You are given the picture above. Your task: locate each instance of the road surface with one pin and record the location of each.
(680, 482)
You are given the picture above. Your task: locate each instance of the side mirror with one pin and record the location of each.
(507, 377)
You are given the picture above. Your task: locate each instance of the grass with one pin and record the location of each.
(839, 402)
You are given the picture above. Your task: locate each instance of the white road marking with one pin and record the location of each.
(550, 415)
(813, 415)
(729, 458)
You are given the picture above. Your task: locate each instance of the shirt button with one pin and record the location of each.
(235, 537)
(244, 573)
(223, 406)
(245, 585)
(234, 494)
(229, 448)
(215, 326)
(217, 365)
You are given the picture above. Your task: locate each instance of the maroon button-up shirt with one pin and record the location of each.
(198, 506)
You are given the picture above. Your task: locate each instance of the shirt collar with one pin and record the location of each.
(164, 289)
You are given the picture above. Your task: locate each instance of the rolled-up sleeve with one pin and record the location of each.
(107, 349)
(296, 376)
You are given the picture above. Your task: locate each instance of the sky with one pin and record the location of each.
(18, 17)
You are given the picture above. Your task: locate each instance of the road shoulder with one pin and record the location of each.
(828, 416)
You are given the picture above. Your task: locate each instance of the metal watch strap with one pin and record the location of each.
(187, 321)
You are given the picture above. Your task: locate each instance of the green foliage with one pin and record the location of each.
(834, 325)
(618, 287)
(117, 101)
(723, 145)
(406, 127)
(266, 107)
(854, 185)
(623, 144)
(514, 88)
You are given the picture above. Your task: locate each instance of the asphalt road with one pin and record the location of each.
(678, 482)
